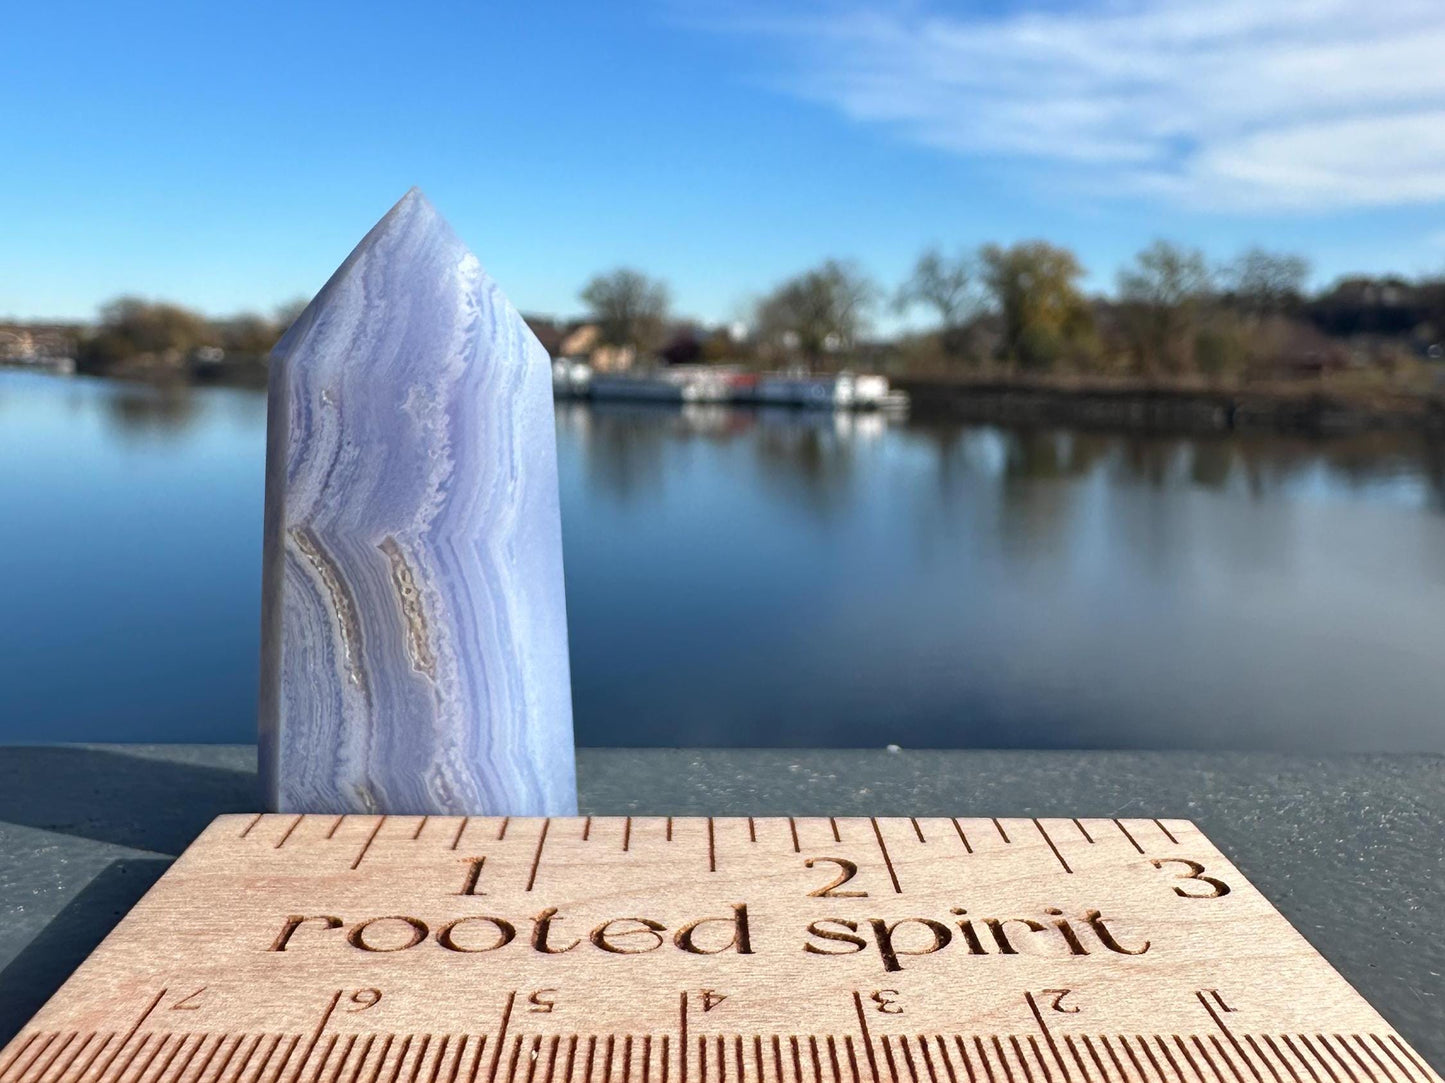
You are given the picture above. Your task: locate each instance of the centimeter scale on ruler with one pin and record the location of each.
(368, 949)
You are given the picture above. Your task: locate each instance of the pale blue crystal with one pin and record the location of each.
(414, 635)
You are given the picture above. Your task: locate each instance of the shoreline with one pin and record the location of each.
(1124, 405)
(1171, 407)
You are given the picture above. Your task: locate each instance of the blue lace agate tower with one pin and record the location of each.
(414, 631)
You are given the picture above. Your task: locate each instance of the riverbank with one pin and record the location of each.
(1309, 408)
(1091, 402)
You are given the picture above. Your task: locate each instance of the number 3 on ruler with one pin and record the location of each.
(1196, 873)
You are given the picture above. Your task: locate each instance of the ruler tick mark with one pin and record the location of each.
(345, 1055)
(793, 827)
(130, 1059)
(1073, 1048)
(752, 830)
(420, 1057)
(1378, 1063)
(908, 1058)
(1095, 1057)
(1404, 1072)
(55, 1055)
(285, 1058)
(1279, 1056)
(982, 1058)
(833, 823)
(1002, 1058)
(883, 849)
(365, 1056)
(1229, 1061)
(1219, 1022)
(315, 1034)
(669, 829)
(1049, 1038)
(171, 1056)
(1129, 1052)
(501, 1036)
(191, 1056)
(1167, 833)
(99, 1049)
(1024, 1061)
(369, 840)
(1163, 1048)
(682, 1038)
(1083, 830)
(711, 847)
(502, 831)
(961, 836)
(1304, 1040)
(151, 1057)
(241, 1069)
(852, 1060)
(1345, 1045)
(1132, 841)
(1408, 1055)
(626, 834)
(129, 1035)
(591, 1054)
(461, 827)
(254, 821)
(420, 828)
(1259, 1055)
(294, 825)
(999, 827)
(1300, 1057)
(916, 829)
(1386, 1051)
(587, 829)
(1052, 847)
(1204, 1053)
(1324, 1041)
(325, 1058)
(867, 1038)
(537, 857)
(927, 1059)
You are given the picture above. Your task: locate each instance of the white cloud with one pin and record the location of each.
(1238, 104)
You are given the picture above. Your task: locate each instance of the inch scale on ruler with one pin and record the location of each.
(366, 949)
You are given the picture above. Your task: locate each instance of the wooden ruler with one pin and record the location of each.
(310, 949)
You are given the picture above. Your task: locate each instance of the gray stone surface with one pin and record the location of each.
(1349, 848)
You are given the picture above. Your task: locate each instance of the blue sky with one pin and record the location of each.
(229, 156)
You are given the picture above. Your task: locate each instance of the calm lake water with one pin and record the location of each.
(740, 578)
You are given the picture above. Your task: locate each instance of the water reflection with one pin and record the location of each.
(786, 578)
(811, 454)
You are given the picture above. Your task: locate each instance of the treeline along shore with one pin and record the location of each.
(1000, 333)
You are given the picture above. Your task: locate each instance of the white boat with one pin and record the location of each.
(728, 384)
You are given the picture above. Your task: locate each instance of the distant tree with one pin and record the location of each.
(1034, 285)
(947, 286)
(1162, 296)
(629, 308)
(1261, 283)
(130, 327)
(247, 334)
(819, 312)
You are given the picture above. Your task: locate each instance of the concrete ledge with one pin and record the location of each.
(1348, 847)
